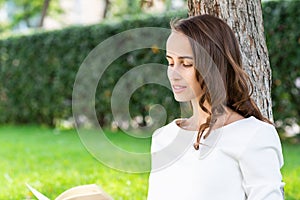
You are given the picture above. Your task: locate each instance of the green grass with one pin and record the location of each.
(53, 161)
(291, 171)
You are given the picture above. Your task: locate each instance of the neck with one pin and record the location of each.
(199, 116)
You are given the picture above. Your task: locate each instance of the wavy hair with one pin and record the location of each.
(218, 66)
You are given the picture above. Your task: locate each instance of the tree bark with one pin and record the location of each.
(245, 19)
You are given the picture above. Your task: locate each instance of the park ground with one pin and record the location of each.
(53, 161)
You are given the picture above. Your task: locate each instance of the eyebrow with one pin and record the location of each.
(181, 57)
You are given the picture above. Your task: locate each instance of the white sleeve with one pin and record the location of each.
(260, 164)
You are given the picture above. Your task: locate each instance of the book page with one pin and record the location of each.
(36, 193)
(84, 192)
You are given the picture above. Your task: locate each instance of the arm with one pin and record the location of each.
(260, 164)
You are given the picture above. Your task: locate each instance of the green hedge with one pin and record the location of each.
(38, 71)
(282, 30)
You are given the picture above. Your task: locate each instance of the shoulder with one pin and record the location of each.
(248, 128)
(166, 128)
(263, 139)
(256, 128)
(263, 134)
(163, 136)
(249, 134)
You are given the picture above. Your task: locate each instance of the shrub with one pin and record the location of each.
(282, 30)
(38, 71)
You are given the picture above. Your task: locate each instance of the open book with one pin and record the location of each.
(82, 192)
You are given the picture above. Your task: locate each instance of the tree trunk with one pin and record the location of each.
(44, 12)
(107, 4)
(245, 18)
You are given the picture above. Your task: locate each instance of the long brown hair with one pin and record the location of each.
(218, 66)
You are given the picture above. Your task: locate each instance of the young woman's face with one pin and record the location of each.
(181, 72)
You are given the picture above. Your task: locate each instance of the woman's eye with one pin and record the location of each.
(187, 65)
(171, 64)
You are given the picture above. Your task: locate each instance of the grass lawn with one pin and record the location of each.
(291, 171)
(53, 161)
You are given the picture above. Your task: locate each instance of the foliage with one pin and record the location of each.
(282, 30)
(121, 7)
(38, 71)
(28, 12)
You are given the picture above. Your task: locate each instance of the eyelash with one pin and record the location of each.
(189, 65)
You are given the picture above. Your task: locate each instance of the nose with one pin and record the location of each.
(173, 73)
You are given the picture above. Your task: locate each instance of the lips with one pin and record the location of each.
(178, 88)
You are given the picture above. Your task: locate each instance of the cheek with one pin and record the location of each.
(169, 73)
(196, 86)
(192, 81)
(191, 77)
(175, 74)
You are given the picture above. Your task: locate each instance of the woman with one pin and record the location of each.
(226, 150)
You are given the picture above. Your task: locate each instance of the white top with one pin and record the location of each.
(238, 161)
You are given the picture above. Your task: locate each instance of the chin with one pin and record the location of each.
(181, 99)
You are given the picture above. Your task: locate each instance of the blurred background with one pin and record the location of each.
(23, 16)
(42, 45)
(63, 32)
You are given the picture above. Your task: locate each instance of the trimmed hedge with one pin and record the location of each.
(38, 71)
(282, 30)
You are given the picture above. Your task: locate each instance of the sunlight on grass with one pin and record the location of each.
(291, 171)
(53, 161)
